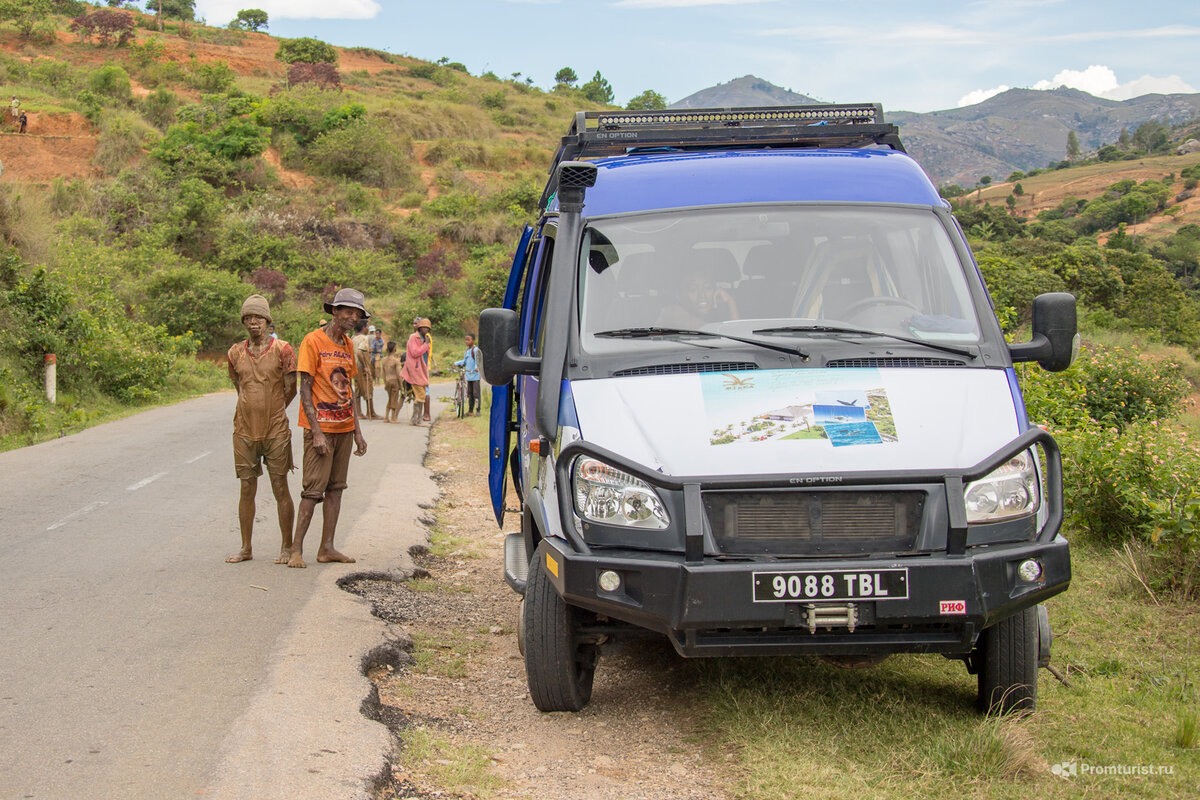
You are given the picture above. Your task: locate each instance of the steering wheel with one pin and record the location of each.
(869, 302)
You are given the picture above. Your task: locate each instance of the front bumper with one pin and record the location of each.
(708, 608)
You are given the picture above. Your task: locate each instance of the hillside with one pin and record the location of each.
(746, 91)
(1020, 129)
(1024, 129)
(161, 182)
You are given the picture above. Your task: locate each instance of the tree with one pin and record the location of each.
(172, 9)
(249, 19)
(107, 25)
(648, 100)
(1123, 139)
(598, 90)
(566, 76)
(28, 15)
(307, 50)
(1151, 135)
(1018, 190)
(324, 75)
(1072, 145)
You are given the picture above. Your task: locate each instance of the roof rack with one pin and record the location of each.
(595, 134)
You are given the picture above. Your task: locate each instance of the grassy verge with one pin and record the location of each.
(453, 766)
(907, 727)
(1127, 723)
(73, 413)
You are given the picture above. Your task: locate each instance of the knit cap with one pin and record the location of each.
(257, 304)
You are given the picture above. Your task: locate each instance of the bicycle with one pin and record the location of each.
(460, 393)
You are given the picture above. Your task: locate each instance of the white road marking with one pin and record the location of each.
(144, 482)
(197, 458)
(75, 514)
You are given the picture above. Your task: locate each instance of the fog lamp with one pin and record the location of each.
(610, 581)
(1029, 570)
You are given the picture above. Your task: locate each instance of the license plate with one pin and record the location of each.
(830, 585)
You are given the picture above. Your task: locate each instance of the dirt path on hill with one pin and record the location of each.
(466, 688)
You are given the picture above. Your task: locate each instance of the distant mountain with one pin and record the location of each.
(1020, 129)
(742, 92)
(1024, 129)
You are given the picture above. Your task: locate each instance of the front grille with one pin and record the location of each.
(798, 523)
(895, 362)
(683, 369)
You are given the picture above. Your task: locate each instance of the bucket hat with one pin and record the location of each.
(349, 297)
(257, 304)
(422, 322)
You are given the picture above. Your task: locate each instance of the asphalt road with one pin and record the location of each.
(137, 664)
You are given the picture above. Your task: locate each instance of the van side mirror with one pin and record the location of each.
(1055, 341)
(499, 337)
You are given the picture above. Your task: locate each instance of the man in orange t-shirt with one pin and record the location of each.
(327, 370)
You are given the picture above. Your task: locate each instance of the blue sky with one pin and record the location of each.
(919, 55)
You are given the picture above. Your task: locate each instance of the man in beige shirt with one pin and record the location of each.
(263, 370)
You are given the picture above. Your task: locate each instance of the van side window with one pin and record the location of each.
(538, 304)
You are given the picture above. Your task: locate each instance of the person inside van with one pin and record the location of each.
(698, 302)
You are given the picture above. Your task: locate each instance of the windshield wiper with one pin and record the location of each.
(647, 332)
(958, 351)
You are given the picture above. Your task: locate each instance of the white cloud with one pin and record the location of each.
(1148, 84)
(979, 95)
(1096, 80)
(218, 12)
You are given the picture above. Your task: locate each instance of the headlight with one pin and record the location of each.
(1010, 491)
(611, 496)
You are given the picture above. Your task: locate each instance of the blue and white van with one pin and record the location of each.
(753, 397)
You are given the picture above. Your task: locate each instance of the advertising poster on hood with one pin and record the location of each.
(844, 408)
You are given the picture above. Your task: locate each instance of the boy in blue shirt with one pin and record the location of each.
(470, 364)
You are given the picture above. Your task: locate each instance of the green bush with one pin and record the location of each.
(111, 81)
(1108, 386)
(191, 300)
(120, 142)
(211, 77)
(1139, 485)
(306, 112)
(307, 50)
(494, 100)
(362, 151)
(159, 107)
(190, 149)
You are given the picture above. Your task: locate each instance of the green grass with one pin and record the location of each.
(907, 728)
(453, 766)
(445, 654)
(73, 413)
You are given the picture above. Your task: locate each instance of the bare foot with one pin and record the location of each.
(325, 556)
(239, 556)
(284, 556)
(296, 561)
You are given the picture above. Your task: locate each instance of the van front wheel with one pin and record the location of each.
(558, 665)
(1008, 664)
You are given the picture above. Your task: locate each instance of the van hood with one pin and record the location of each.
(801, 420)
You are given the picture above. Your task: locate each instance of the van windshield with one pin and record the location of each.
(774, 270)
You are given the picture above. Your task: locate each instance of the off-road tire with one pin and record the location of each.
(1008, 664)
(558, 667)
